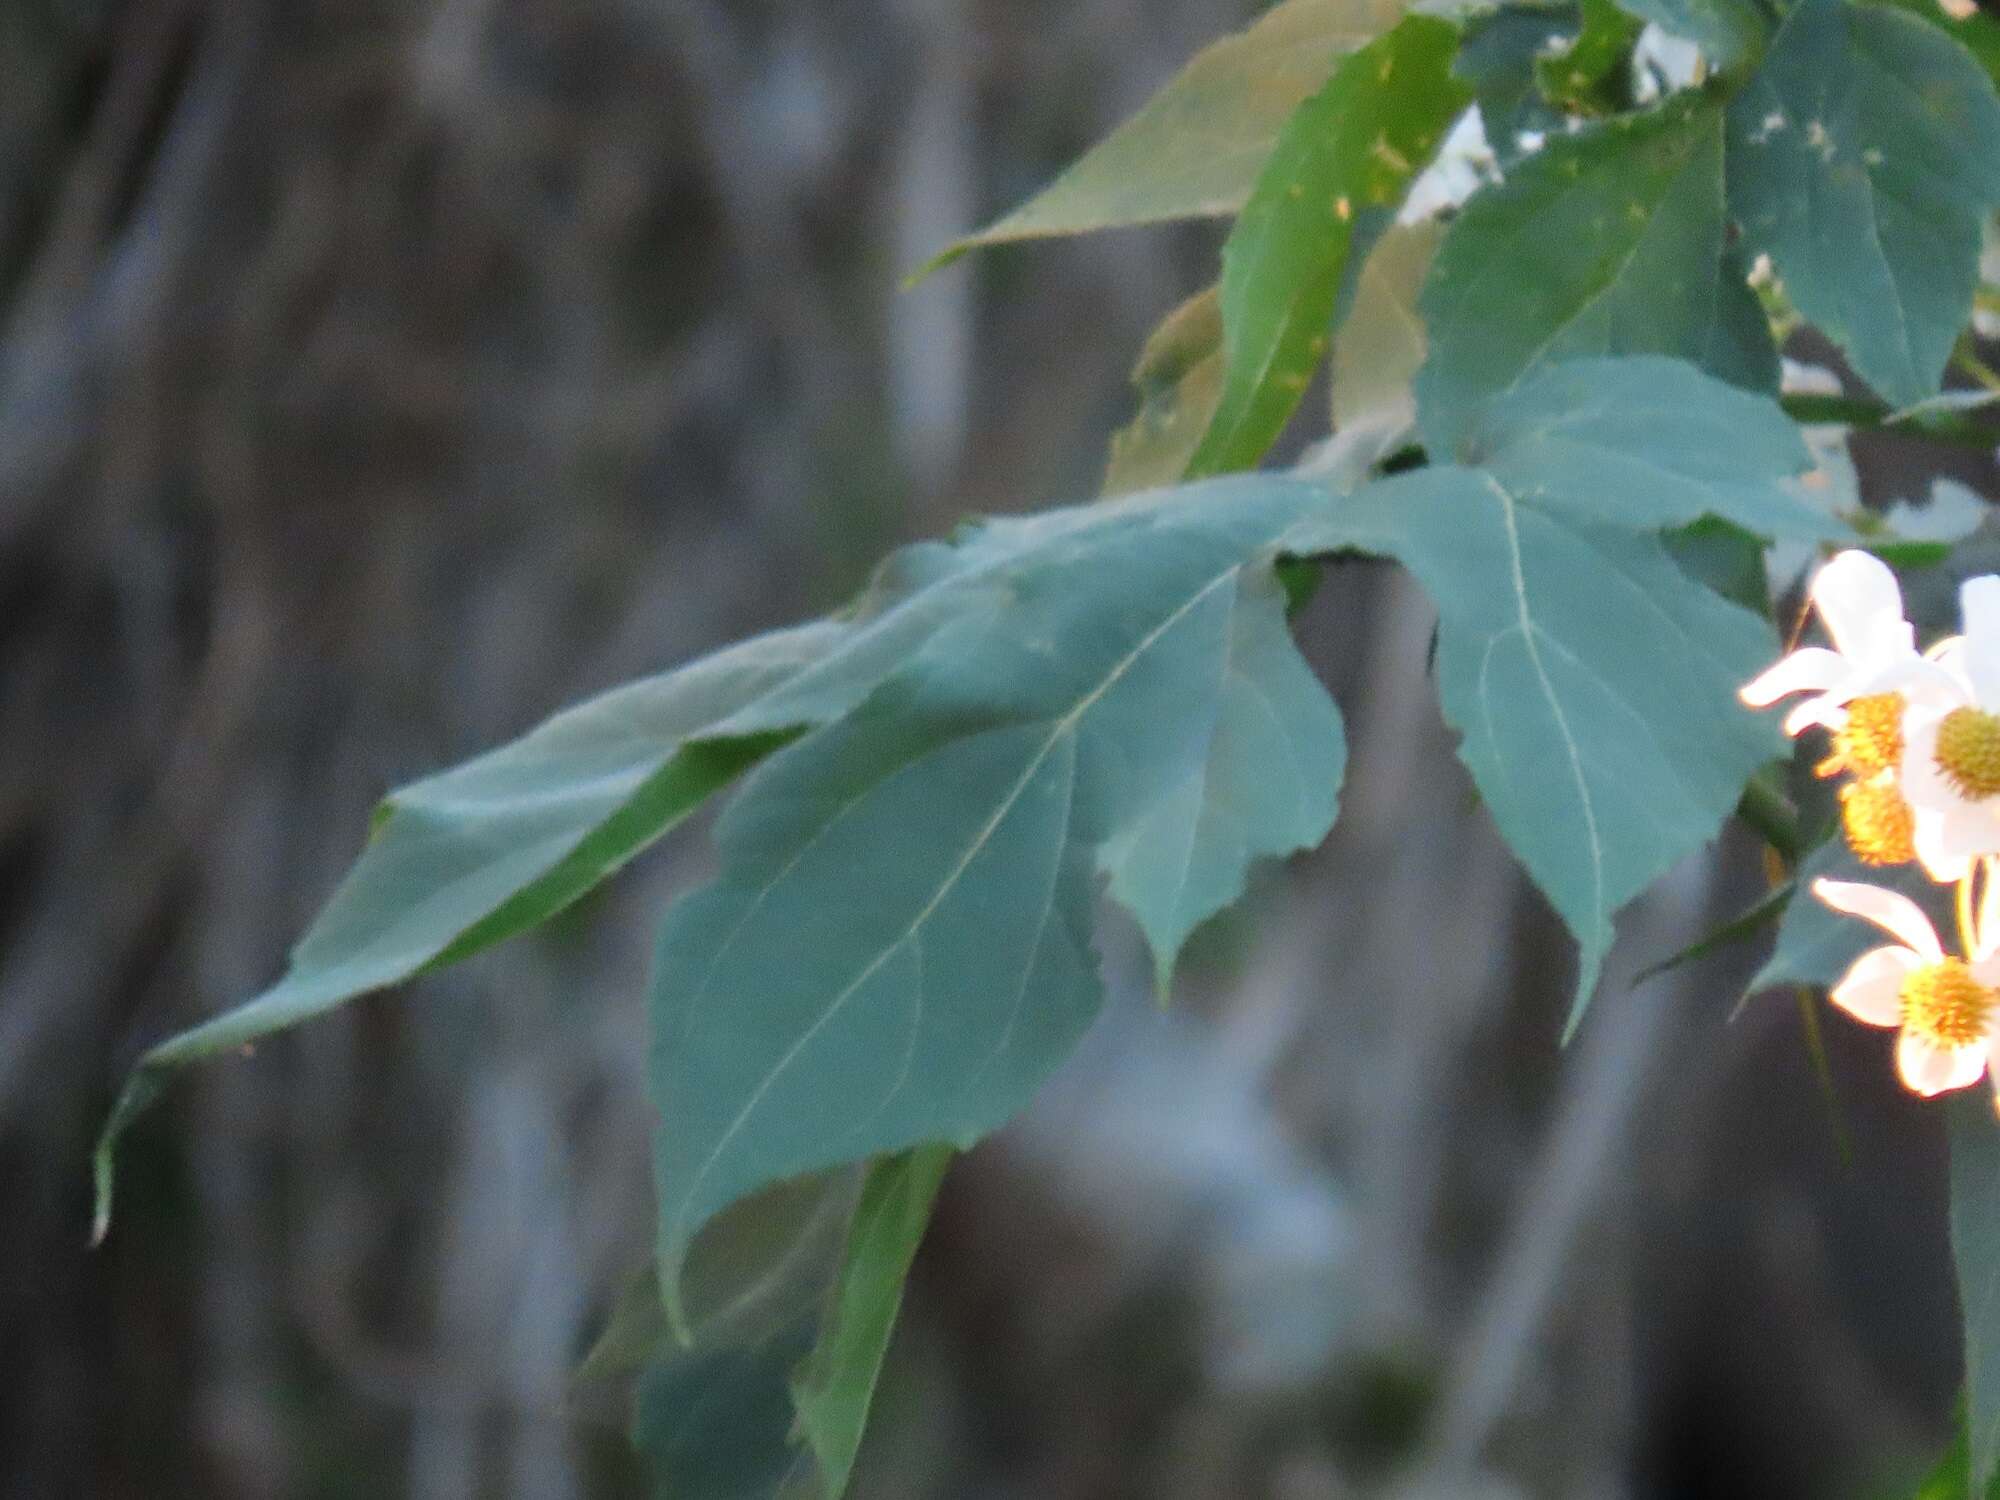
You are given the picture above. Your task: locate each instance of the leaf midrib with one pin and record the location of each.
(678, 1235)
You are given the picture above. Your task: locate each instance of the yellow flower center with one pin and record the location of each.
(1871, 741)
(1878, 823)
(1968, 751)
(1945, 1005)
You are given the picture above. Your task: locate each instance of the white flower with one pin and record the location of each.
(1944, 1005)
(1874, 649)
(1865, 690)
(1951, 756)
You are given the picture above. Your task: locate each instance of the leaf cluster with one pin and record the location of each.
(1555, 399)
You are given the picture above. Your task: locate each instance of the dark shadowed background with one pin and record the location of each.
(378, 376)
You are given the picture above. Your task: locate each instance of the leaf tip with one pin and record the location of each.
(139, 1091)
(936, 263)
(1590, 967)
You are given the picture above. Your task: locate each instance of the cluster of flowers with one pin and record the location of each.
(1917, 735)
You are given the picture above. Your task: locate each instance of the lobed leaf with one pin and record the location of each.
(896, 949)
(1863, 155)
(1592, 680)
(1611, 241)
(1271, 775)
(1195, 148)
(1348, 151)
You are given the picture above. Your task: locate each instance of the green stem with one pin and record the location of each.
(1823, 1073)
(1848, 411)
(1969, 361)
(1766, 808)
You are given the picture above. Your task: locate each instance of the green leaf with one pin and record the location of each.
(1862, 157)
(1179, 379)
(1730, 32)
(1816, 944)
(1381, 342)
(1349, 150)
(1764, 912)
(1952, 1478)
(1610, 241)
(1268, 785)
(776, 1303)
(1978, 33)
(762, 1266)
(896, 949)
(1593, 681)
(466, 858)
(1975, 1248)
(469, 857)
(1593, 75)
(835, 1386)
(716, 1424)
(1498, 59)
(1195, 148)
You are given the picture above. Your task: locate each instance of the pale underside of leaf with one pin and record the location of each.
(1195, 148)
(1381, 342)
(1179, 380)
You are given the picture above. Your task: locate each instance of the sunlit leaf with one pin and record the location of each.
(1349, 150)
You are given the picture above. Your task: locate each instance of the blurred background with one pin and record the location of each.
(379, 376)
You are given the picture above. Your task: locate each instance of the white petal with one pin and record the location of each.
(1929, 1070)
(1872, 990)
(1987, 922)
(1979, 606)
(1810, 669)
(1895, 913)
(1943, 866)
(1919, 681)
(1924, 785)
(1857, 597)
(1970, 828)
(1829, 709)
